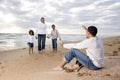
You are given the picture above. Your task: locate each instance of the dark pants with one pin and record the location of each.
(31, 45)
(54, 44)
(41, 41)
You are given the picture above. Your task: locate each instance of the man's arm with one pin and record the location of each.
(61, 43)
(58, 35)
(49, 35)
(36, 31)
(80, 45)
(68, 46)
(84, 27)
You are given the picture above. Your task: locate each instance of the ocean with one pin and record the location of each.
(15, 41)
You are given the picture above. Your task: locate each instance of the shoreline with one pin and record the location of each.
(51, 44)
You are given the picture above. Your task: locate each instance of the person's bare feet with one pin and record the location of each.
(57, 68)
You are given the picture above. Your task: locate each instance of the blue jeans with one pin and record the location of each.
(81, 57)
(54, 44)
(41, 41)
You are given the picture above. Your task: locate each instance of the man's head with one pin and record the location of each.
(42, 19)
(53, 26)
(91, 31)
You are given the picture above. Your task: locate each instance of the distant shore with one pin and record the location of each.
(17, 64)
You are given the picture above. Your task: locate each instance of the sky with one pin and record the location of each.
(18, 16)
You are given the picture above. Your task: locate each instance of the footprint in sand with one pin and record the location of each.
(118, 49)
(82, 74)
(115, 53)
(107, 75)
(36, 58)
(1, 69)
(1, 72)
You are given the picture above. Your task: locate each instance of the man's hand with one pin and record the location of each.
(84, 27)
(36, 37)
(61, 43)
(48, 36)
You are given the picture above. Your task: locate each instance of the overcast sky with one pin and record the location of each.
(22, 15)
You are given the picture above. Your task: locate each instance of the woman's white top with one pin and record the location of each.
(41, 28)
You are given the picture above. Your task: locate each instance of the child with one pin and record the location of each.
(54, 35)
(31, 41)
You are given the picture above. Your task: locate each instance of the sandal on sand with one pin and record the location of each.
(80, 67)
(68, 70)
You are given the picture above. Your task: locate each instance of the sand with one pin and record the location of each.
(19, 65)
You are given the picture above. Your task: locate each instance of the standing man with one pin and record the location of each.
(41, 33)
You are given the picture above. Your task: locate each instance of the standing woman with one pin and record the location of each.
(41, 32)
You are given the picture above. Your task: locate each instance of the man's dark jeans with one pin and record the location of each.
(41, 41)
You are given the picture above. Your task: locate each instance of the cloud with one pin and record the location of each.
(66, 14)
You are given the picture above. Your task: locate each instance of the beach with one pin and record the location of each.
(17, 64)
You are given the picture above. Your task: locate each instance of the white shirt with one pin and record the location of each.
(55, 34)
(30, 39)
(94, 49)
(41, 28)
